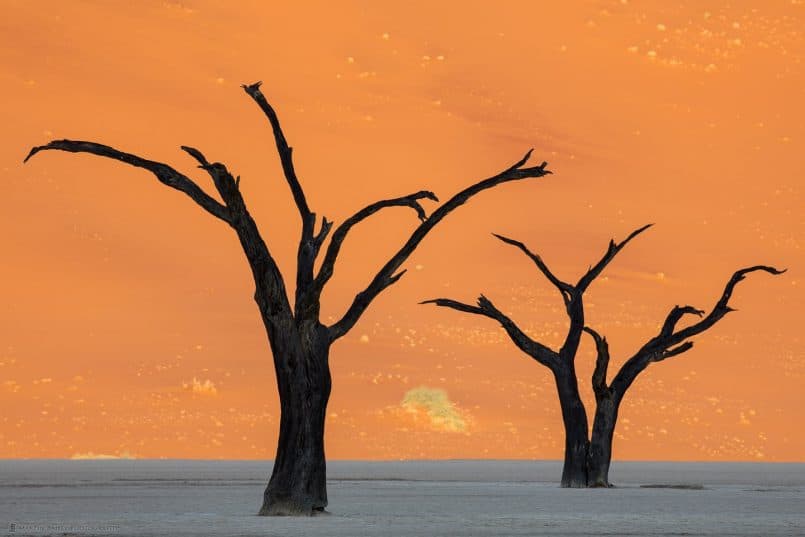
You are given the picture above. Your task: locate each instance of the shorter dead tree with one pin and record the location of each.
(587, 457)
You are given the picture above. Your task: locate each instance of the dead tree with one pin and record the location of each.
(587, 458)
(299, 342)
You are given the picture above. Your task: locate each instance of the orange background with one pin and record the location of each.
(127, 326)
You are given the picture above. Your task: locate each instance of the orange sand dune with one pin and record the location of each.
(127, 326)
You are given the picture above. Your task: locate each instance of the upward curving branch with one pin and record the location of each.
(537, 351)
(164, 173)
(340, 234)
(610, 254)
(671, 342)
(673, 318)
(575, 306)
(720, 309)
(386, 276)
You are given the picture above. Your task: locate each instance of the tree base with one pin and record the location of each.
(601, 486)
(574, 480)
(290, 508)
(585, 485)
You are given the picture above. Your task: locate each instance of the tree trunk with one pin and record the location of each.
(574, 472)
(600, 453)
(298, 484)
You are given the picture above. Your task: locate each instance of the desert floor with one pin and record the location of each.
(141, 497)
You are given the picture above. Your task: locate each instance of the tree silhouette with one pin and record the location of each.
(587, 457)
(299, 342)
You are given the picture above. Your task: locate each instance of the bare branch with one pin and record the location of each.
(196, 154)
(307, 305)
(673, 318)
(610, 254)
(520, 163)
(333, 249)
(326, 225)
(395, 278)
(669, 343)
(564, 288)
(599, 380)
(537, 351)
(227, 186)
(378, 283)
(164, 173)
(308, 245)
(668, 353)
(719, 310)
(285, 154)
(456, 305)
(263, 266)
(573, 295)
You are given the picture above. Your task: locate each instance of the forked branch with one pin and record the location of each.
(719, 310)
(575, 306)
(310, 242)
(572, 295)
(382, 278)
(227, 186)
(673, 318)
(318, 239)
(668, 353)
(671, 342)
(340, 233)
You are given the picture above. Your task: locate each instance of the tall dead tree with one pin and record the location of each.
(587, 458)
(299, 342)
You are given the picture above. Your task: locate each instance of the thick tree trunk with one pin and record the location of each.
(298, 484)
(600, 452)
(574, 472)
